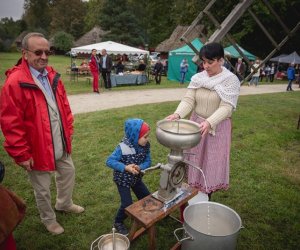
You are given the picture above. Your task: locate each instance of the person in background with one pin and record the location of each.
(12, 212)
(37, 123)
(94, 70)
(240, 69)
(119, 67)
(158, 69)
(211, 97)
(105, 68)
(297, 74)
(255, 77)
(183, 70)
(267, 71)
(290, 76)
(142, 66)
(165, 64)
(128, 159)
(261, 73)
(84, 63)
(227, 64)
(272, 72)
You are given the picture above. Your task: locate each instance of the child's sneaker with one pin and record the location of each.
(120, 227)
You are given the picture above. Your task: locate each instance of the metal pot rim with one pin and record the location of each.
(122, 237)
(159, 123)
(212, 203)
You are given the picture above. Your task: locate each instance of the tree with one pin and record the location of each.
(154, 20)
(9, 30)
(63, 41)
(92, 17)
(37, 14)
(117, 17)
(68, 15)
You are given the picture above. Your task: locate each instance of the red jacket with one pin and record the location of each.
(25, 120)
(93, 64)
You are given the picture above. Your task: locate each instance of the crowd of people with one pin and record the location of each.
(263, 72)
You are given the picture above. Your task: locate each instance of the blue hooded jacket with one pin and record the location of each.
(129, 152)
(291, 73)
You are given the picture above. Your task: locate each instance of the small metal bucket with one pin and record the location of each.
(114, 241)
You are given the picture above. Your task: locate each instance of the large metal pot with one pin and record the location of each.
(114, 241)
(209, 225)
(178, 135)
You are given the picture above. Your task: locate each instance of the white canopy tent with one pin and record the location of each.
(291, 58)
(277, 58)
(111, 48)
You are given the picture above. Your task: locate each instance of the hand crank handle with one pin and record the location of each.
(151, 168)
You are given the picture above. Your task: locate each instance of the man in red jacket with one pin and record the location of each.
(37, 123)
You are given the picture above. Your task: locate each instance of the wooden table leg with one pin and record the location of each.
(152, 239)
(133, 229)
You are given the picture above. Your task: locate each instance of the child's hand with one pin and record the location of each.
(131, 169)
(137, 168)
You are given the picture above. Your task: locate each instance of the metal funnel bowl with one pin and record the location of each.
(178, 135)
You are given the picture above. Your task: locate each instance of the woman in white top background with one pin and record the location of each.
(211, 97)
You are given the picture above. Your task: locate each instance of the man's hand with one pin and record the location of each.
(27, 165)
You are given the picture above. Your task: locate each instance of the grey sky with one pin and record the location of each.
(11, 8)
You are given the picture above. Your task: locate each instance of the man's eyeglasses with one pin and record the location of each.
(40, 52)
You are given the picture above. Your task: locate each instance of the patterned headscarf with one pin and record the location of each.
(132, 131)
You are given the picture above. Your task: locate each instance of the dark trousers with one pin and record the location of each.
(158, 77)
(140, 190)
(289, 87)
(106, 78)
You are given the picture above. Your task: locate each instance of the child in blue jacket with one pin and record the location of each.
(130, 157)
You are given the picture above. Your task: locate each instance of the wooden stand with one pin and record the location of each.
(147, 211)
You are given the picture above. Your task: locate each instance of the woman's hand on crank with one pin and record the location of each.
(173, 117)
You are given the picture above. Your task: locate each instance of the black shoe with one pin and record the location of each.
(120, 227)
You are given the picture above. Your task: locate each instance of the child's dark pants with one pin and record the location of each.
(139, 189)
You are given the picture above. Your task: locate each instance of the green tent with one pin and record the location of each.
(177, 55)
(235, 54)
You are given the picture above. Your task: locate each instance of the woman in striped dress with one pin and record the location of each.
(211, 98)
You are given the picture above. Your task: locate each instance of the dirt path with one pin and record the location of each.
(84, 103)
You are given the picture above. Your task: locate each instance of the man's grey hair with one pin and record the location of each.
(29, 35)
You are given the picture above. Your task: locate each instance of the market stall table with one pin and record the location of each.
(128, 79)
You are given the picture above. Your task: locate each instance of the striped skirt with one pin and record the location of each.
(212, 156)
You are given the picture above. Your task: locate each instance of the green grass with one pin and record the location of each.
(264, 185)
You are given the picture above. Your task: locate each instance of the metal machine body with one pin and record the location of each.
(177, 135)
